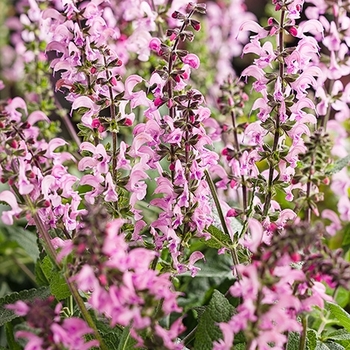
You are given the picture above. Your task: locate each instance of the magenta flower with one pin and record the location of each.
(192, 60)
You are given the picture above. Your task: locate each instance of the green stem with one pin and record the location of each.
(244, 186)
(277, 120)
(324, 322)
(303, 337)
(222, 220)
(113, 117)
(86, 315)
(24, 268)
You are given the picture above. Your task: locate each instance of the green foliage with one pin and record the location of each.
(26, 239)
(340, 336)
(293, 341)
(311, 339)
(57, 282)
(7, 315)
(11, 338)
(338, 165)
(218, 310)
(126, 341)
(218, 239)
(339, 314)
(214, 275)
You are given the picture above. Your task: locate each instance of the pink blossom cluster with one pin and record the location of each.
(274, 290)
(333, 93)
(122, 286)
(35, 171)
(49, 330)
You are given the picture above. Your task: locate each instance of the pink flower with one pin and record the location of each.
(335, 224)
(154, 44)
(34, 342)
(192, 60)
(10, 199)
(20, 308)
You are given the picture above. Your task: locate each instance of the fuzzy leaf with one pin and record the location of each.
(26, 239)
(338, 165)
(218, 310)
(58, 285)
(340, 334)
(127, 342)
(218, 239)
(293, 341)
(311, 339)
(329, 345)
(111, 340)
(25, 295)
(340, 314)
(321, 346)
(10, 337)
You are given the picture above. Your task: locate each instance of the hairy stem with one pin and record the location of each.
(277, 120)
(113, 118)
(233, 251)
(303, 337)
(169, 85)
(244, 186)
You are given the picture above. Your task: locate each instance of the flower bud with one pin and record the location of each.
(13, 144)
(95, 123)
(127, 122)
(326, 181)
(195, 25)
(293, 31)
(190, 7)
(231, 213)
(158, 101)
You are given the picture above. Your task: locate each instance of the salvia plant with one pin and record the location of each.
(152, 197)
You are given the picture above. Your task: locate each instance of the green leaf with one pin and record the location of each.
(218, 310)
(293, 341)
(340, 334)
(342, 337)
(311, 339)
(321, 346)
(329, 345)
(10, 337)
(338, 165)
(343, 297)
(340, 314)
(40, 277)
(25, 295)
(218, 239)
(26, 239)
(112, 340)
(127, 342)
(346, 237)
(241, 346)
(58, 285)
